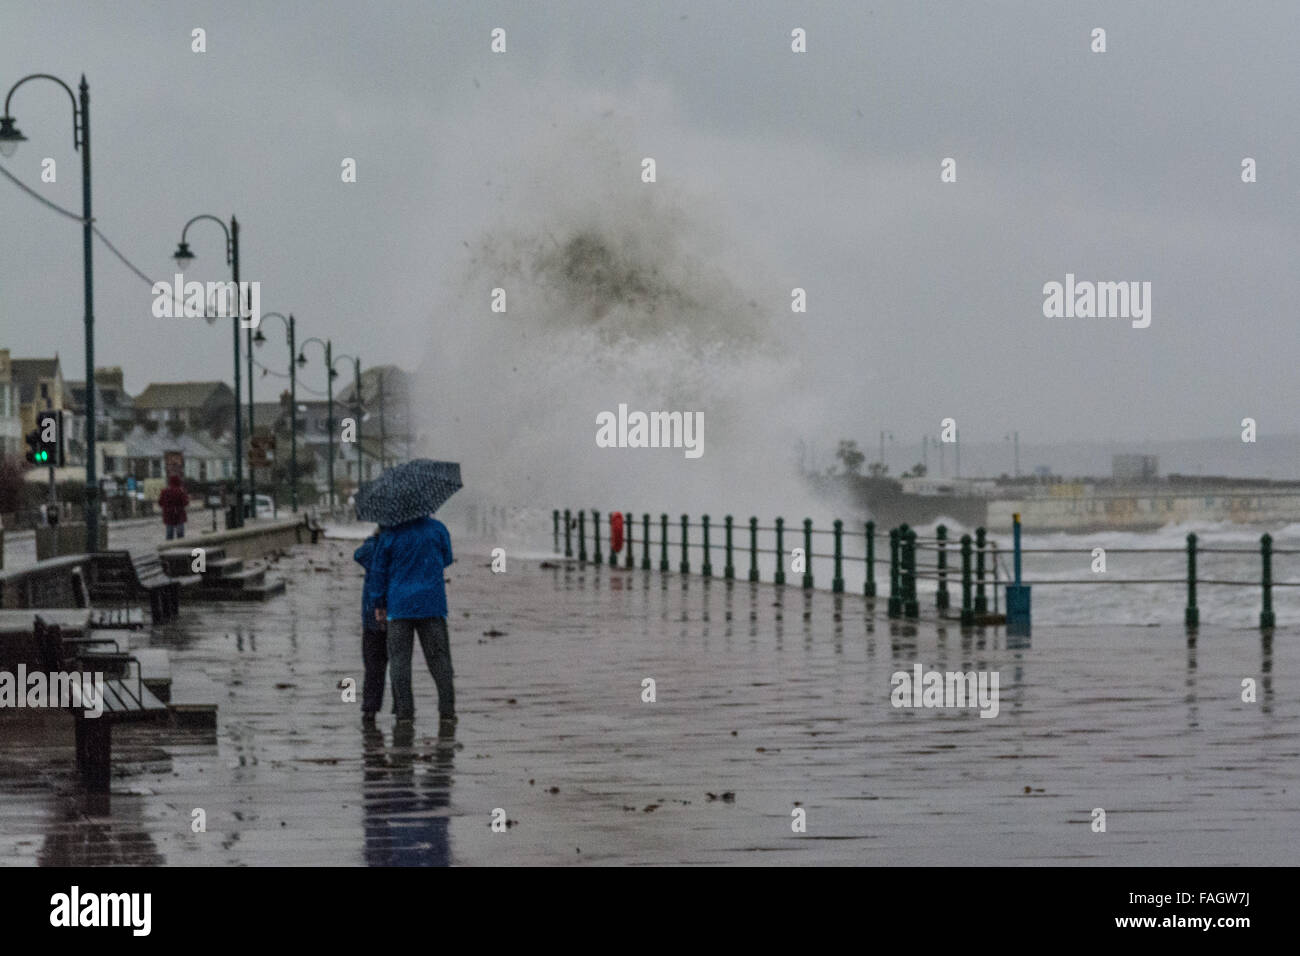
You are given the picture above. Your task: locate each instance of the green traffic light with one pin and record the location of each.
(42, 456)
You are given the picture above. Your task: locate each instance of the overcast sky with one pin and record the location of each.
(820, 170)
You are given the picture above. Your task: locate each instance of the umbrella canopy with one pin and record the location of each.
(408, 491)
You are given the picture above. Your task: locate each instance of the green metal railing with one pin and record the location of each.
(977, 562)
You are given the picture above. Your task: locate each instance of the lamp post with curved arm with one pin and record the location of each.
(258, 339)
(356, 388)
(10, 137)
(184, 257)
(329, 392)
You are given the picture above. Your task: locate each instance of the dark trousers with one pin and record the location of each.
(374, 655)
(437, 655)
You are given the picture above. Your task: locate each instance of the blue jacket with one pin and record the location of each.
(365, 556)
(407, 569)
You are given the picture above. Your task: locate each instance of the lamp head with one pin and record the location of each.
(10, 137)
(183, 256)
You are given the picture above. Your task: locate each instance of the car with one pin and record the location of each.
(265, 506)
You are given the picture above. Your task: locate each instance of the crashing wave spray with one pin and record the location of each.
(616, 292)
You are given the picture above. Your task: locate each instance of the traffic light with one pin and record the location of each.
(48, 449)
(34, 447)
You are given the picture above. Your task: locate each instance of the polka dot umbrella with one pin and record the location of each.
(408, 491)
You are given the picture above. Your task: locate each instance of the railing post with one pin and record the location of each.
(706, 568)
(582, 536)
(910, 606)
(807, 553)
(895, 600)
(967, 612)
(663, 543)
(779, 577)
(869, 589)
(629, 558)
(981, 599)
(595, 530)
(686, 561)
(837, 582)
(627, 534)
(729, 569)
(645, 541)
(555, 529)
(941, 600)
(753, 549)
(1266, 620)
(568, 534)
(1192, 616)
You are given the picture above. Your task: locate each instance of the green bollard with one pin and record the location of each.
(582, 537)
(753, 549)
(895, 600)
(707, 568)
(941, 600)
(779, 577)
(663, 543)
(645, 541)
(967, 612)
(981, 599)
(568, 536)
(807, 553)
(1266, 620)
(729, 569)
(837, 582)
(910, 606)
(555, 525)
(686, 561)
(629, 557)
(1192, 616)
(595, 531)
(869, 589)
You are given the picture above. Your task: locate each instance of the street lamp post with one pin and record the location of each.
(184, 257)
(10, 137)
(258, 339)
(356, 388)
(329, 412)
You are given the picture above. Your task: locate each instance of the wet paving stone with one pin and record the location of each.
(767, 700)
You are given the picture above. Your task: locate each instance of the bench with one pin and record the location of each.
(121, 576)
(125, 698)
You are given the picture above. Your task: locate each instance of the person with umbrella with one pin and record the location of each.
(374, 636)
(407, 568)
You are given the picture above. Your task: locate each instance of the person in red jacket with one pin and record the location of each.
(172, 501)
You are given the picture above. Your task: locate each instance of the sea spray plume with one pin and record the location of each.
(616, 293)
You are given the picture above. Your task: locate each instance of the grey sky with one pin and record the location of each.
(820, 170)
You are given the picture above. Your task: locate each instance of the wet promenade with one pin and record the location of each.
(767, 699)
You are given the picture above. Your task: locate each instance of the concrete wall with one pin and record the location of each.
(250, 542)
(44, 584)
(1142, 511)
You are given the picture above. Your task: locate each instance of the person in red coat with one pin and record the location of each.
(172, 501)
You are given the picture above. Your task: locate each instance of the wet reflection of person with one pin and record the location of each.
(405, 817)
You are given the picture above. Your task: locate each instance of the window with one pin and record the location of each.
(45, 390)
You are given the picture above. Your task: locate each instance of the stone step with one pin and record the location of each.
(258, 592)
(224, 568)
(246, 578)
(176, 562)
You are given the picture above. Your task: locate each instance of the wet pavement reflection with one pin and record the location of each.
(767, 700)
